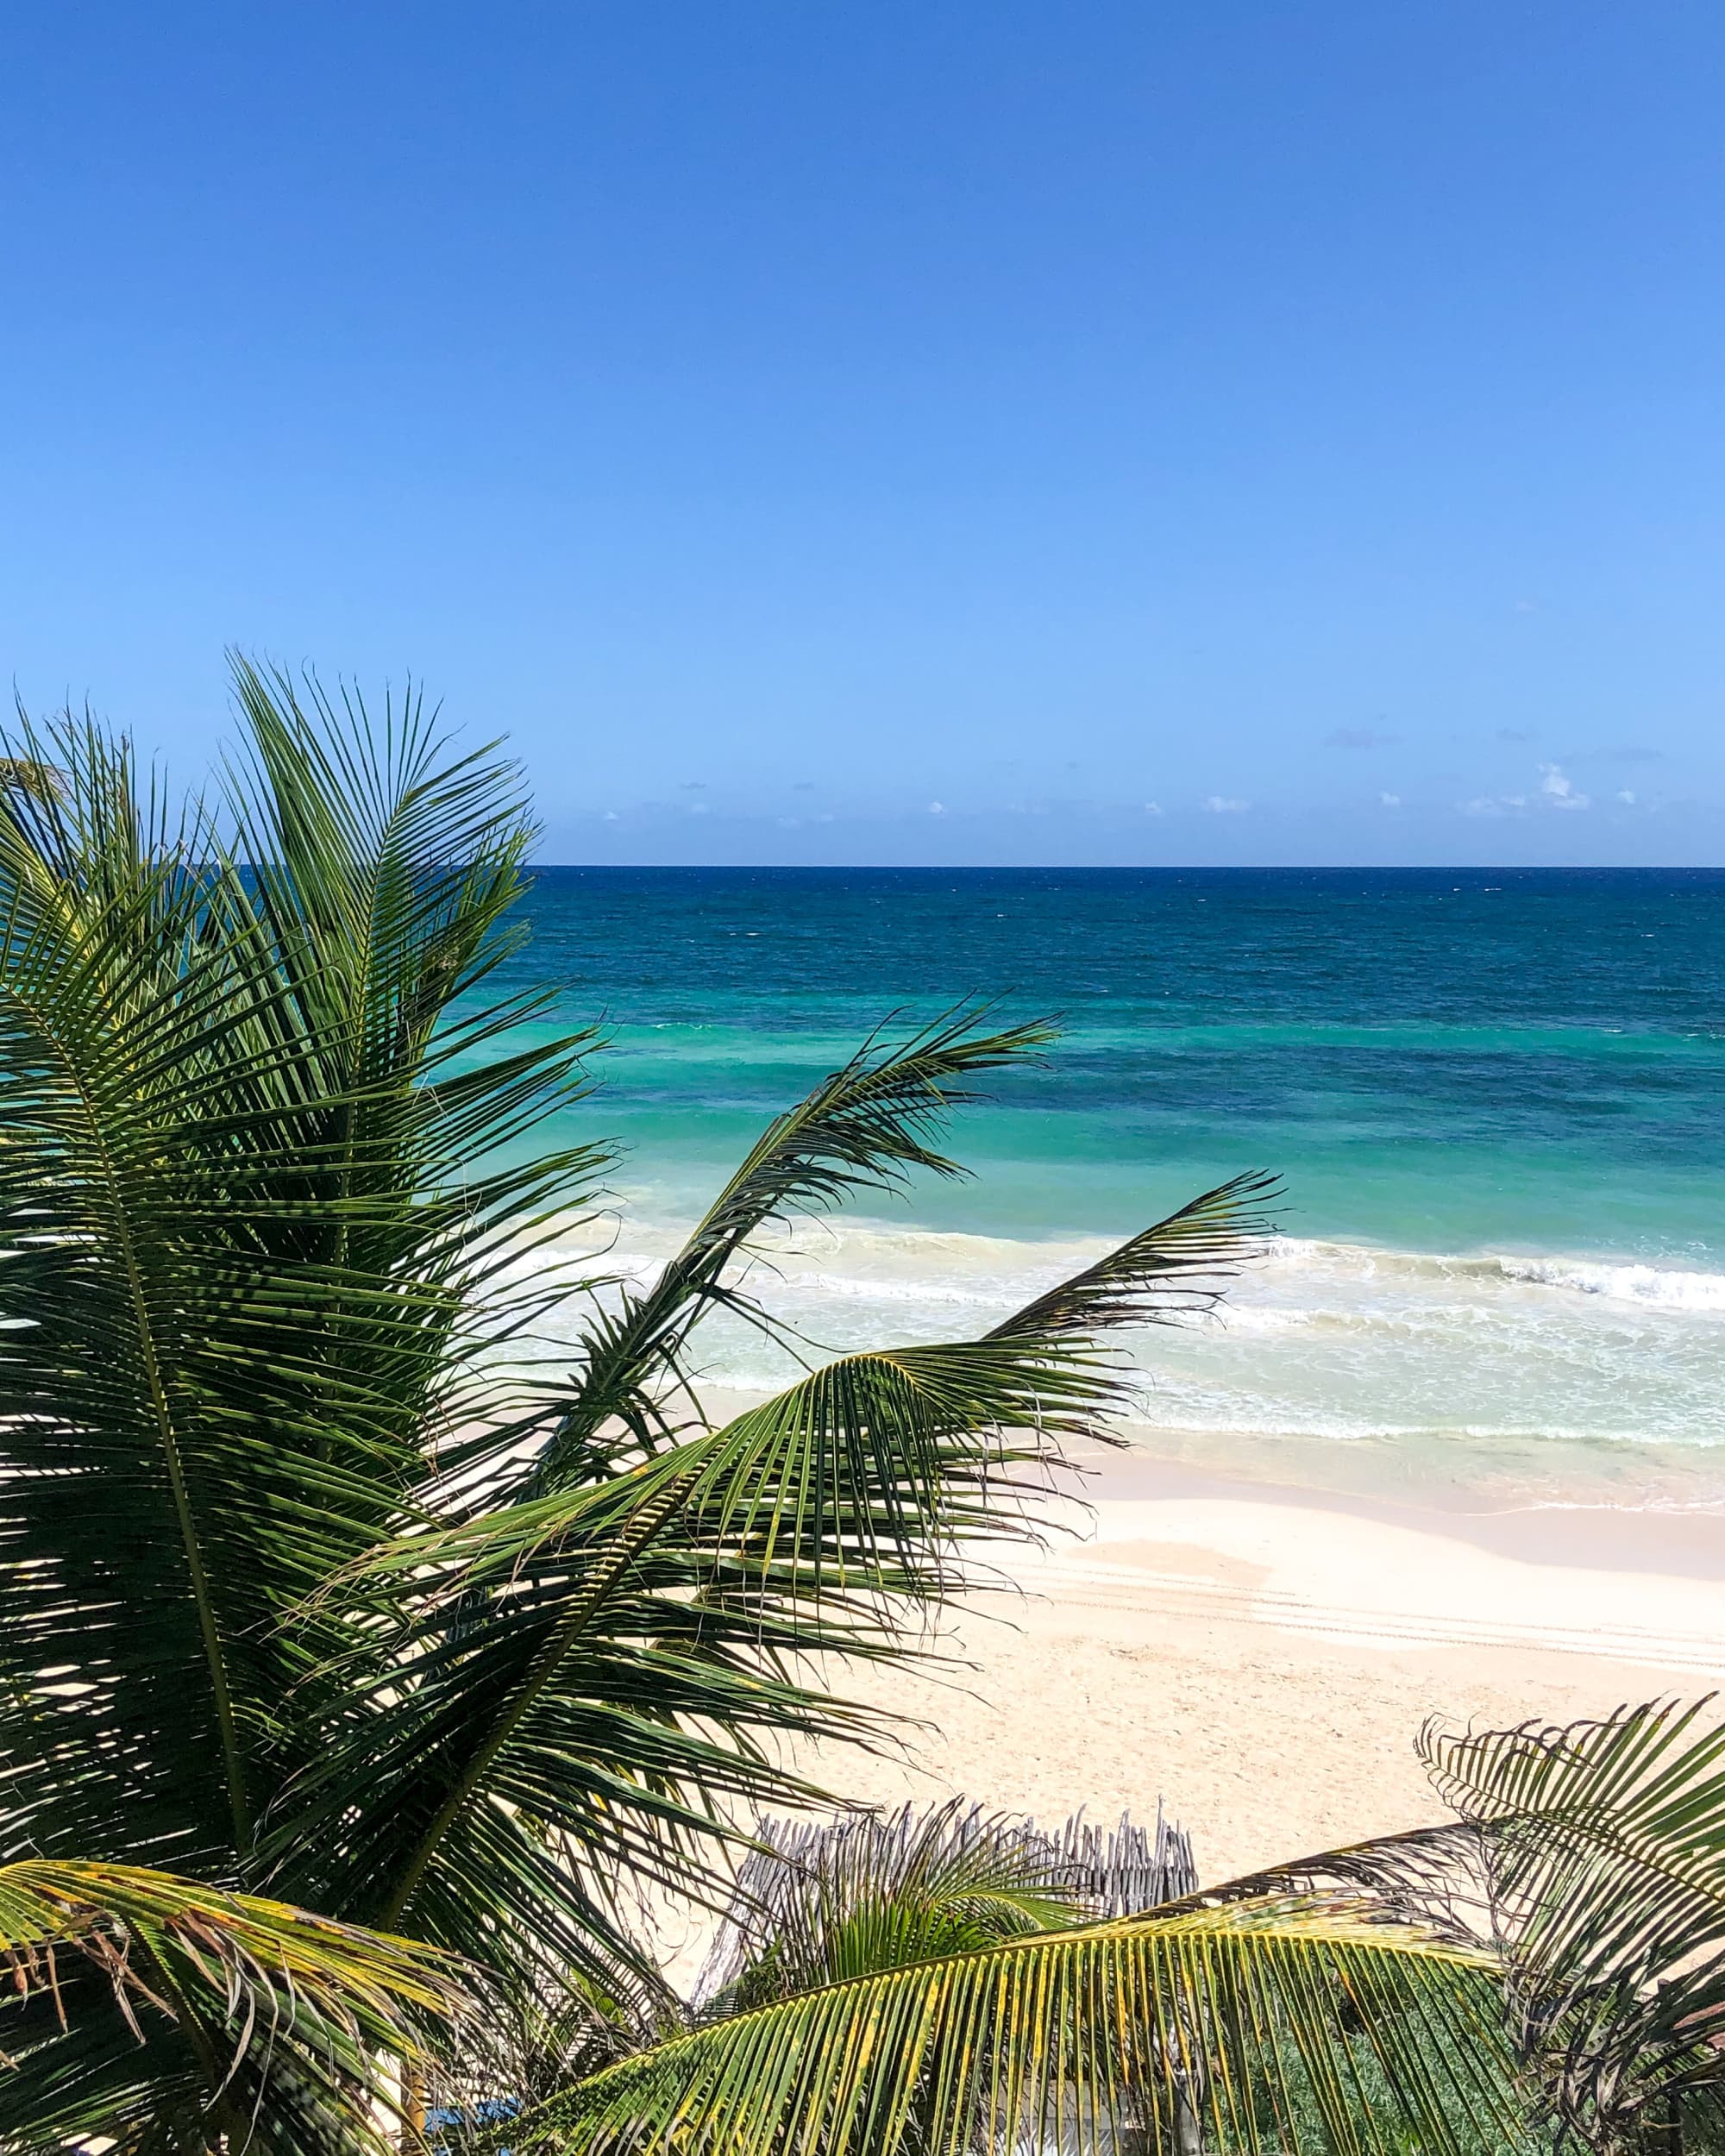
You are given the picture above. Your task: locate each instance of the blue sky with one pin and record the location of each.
(828, 431)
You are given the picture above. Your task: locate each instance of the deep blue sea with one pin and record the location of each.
(1496, 1098)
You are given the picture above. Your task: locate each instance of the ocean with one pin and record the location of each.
(1496, 1099)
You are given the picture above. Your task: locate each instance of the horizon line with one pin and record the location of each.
(1160, 868)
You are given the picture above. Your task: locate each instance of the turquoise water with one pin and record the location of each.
(1495, 1096)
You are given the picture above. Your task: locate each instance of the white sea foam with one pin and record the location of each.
(1662, 1287)
(1336, 1342)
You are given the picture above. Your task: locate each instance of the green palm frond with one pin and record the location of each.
(1600, 1857)
(1276, 2024)
(611, 1663)
(147, 1126)
(867, 1126)
(606, 1664)
(1166, 1272)
(386, 862)
(133, 1999)
(246, 1218)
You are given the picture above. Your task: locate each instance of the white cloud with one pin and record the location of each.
(1390, 800)
(1222, 804)
(936, 808)
(610, 816)
(1627, 799)
(1152, 808)
(1557, 791)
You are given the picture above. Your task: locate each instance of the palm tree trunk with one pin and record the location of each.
(1188, 2133)
(412, 2111)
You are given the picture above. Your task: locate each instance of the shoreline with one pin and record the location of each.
(1686, 1541)
(1657, 1516)
(1261, 1658)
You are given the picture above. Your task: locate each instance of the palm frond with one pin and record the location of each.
(133, 998)
(29, 775)
(247, 1209)
(816, 1902)
(1277, 2023)
(1177, 1267)
(610, 1663)
(136, 1998)
(1600, 1854)
(607, 1662)
(603, 1662)
(867, 1127)
(386, 864)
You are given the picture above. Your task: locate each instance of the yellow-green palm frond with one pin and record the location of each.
(136, 1995)
(1282, 2022)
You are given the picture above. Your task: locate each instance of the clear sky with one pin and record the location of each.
(1043, 430)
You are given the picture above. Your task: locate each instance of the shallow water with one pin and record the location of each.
(1495, 1097)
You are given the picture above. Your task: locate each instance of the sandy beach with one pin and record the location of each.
(1261, 1658)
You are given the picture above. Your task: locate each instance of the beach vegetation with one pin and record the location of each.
(1543, 1971)
(387, 1625)
(358, 1548)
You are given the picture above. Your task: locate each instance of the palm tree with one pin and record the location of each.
(323, 1574)
(323, 1577)
(1547, 1971)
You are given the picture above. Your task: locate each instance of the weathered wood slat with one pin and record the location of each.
(1116, 1871)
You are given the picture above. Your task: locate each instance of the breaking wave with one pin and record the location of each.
(1338, 1341)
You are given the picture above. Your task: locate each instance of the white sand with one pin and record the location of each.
(1263, 1660)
